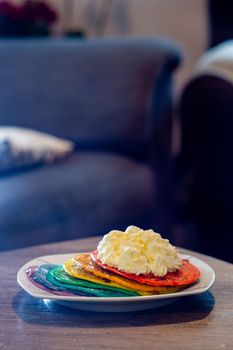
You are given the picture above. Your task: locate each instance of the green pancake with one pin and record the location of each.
(60, 278)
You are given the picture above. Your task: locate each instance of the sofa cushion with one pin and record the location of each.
(88, 194)
(21, 148)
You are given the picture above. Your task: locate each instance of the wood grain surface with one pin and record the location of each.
(198, 322)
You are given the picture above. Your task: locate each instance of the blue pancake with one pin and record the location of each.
(39, 276)
(43, 276)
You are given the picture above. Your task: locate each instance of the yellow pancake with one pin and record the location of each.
(75, 270)
(84, 260)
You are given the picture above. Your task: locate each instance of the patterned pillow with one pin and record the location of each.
(21, 148)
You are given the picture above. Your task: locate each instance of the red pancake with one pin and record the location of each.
(186, 275)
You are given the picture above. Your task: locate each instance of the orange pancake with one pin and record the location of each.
(76, 270)
(85, 261)
(186, 275)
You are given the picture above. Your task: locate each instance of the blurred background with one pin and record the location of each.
(143, 91)
(185, 21)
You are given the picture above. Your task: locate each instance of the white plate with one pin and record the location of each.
(120, 304)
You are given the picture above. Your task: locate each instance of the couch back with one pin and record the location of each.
(92, 90)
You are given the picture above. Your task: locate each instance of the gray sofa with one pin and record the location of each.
(112, 97)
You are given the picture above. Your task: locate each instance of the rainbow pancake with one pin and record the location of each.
(80, 274)
(84, 260)
(48, 276)
(58, 275)
(132, 263)
(186, 275)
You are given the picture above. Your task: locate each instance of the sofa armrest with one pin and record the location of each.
(205, 166)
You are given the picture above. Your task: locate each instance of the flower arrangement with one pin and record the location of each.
(30, 18)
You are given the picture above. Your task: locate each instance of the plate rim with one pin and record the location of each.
(43, 294)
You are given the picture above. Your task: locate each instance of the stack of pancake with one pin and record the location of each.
(85, 275)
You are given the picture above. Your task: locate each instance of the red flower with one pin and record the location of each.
(38, 11)
(31, 11)
(11, 11)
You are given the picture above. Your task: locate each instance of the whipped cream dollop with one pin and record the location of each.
(138, 251)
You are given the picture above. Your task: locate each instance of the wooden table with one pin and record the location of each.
(197, 322)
